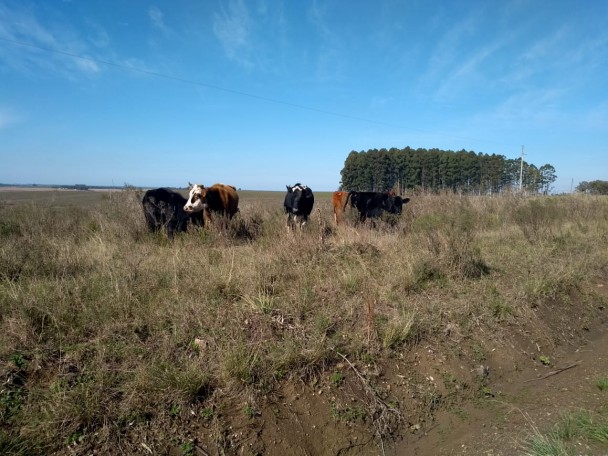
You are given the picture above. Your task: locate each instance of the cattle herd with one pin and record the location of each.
(167, 209)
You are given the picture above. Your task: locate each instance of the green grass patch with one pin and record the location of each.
(565, 436)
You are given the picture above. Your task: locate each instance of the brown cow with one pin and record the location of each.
(219, 198)
(338, 199)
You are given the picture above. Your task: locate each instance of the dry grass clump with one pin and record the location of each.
(108, 332)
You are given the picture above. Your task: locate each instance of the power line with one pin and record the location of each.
(193, 82)
(234, 91)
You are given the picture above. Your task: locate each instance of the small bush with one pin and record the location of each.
(450, 237)
(246, 228)
(398, 330)
(537, 219)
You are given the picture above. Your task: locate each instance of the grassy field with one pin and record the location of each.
(113, 340)
(50, 197)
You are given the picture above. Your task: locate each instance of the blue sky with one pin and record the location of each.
(264, 93)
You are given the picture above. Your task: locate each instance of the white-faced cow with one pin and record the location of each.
(373, 204)
(219, 198)
(298, 204)
(164, 209)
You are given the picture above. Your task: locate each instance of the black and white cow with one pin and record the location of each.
(373, 204)
(298, 204)
(164, 209)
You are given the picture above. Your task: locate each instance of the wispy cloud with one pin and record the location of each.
(8, 118)
(518, 115)
(98, 35)
(232, 27)
(317, 17)
(546, 46)
(466, 72)
(88, 66)
(378, 102)
(330, 50)
(561, 62)
(449, 47)
(21, 25)
(157, 18)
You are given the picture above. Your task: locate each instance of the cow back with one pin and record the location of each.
(163, 208)
(223, 198)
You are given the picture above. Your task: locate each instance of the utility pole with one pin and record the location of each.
(521, 172)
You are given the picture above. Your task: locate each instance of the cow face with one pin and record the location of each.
(395, 204)
(197, 199)
(293, 198)
(298, 204)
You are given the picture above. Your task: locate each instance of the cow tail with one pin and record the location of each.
(346, 202)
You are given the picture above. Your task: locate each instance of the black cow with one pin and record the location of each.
(298, 204)
(373, 204)
(164, 208)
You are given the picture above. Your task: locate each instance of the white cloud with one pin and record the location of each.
(531, 109)
(329, 49)
(36, 56)
(233, 29)
(449, 46)
(157, 18)
(98, 36)
(467, 72)
(89, 66)
(317, 16)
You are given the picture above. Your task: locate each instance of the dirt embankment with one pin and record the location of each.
(444, 404)
(528, 397)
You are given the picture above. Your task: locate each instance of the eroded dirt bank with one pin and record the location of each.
(446, 402)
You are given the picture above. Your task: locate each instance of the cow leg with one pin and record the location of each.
(207, 220)
(288, 222)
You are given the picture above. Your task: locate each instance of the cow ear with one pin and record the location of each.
(190, 185)
(406, 200)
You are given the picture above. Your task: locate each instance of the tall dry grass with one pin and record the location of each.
(108, 332)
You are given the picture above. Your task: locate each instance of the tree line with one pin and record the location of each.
(435, 169)
(596, 187)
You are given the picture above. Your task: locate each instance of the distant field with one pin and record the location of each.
(62, 198)
(52, 197)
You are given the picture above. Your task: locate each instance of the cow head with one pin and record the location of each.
(395, 204)
(197, 199)
(294, 196)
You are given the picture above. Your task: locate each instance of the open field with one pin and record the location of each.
(62, 198)
(424, 335)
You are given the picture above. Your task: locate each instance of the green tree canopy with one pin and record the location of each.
(435, 169)
(596, 187)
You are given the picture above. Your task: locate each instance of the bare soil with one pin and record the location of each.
(447, 405)
(526, 400)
